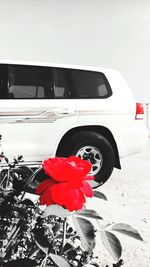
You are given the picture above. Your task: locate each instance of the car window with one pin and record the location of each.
(29, 82)
(88, 84)
(60, 86)
(32, 82)
(3, 81)
(37, 82)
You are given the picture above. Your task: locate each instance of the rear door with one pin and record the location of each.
(93, 95)
(35, 110)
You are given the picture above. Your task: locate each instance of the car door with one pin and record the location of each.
(35, 110)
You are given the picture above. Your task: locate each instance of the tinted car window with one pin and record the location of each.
(60, 86)
(29, 82)
(3, 81)
(88, 84)
(35, 82)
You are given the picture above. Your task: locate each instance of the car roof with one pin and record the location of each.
(58, 65)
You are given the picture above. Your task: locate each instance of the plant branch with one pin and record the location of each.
(64, 236)
(44, 261)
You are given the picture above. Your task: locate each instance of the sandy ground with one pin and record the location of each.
(128, 193)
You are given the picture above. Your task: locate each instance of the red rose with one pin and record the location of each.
(71, 169)
(67, 184)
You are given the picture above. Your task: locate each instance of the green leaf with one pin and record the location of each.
(41, 237)
(99, 195)
(128, 230)
(56, 228)
(59, 261)
(88, 213)
(56, 210)
(85, 230)
(44, 249)
(112, 244)
(19, 212)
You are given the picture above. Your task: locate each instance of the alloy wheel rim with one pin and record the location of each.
(93, 155)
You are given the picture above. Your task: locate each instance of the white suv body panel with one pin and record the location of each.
(116, 113)
(35, 128)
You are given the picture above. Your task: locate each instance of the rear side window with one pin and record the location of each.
(28, 82)
(88, 84)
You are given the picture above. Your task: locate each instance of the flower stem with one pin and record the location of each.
(44, 261)
(64, 236)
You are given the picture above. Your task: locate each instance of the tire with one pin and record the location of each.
(94, 147)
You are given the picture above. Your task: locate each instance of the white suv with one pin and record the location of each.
(63, 110)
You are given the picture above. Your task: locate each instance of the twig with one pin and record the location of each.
(64, 236)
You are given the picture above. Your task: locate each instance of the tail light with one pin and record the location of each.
(139, 111)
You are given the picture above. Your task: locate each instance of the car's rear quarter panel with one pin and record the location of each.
(116, 113)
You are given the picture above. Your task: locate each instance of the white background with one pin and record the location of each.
(104, 33)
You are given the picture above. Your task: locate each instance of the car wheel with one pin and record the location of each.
(95, 148)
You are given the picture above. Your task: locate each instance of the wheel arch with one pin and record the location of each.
(98, 129)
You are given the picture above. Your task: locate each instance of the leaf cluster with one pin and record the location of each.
(55, 236)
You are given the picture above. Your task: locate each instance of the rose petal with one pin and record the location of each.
(83, 165)
(44, 185)
(88, 177)
(81, 200)
(87, 190)
(65, 195)
(66, 169)
(45, 198)
(51, 167)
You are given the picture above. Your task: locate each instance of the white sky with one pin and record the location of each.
(104, 33)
